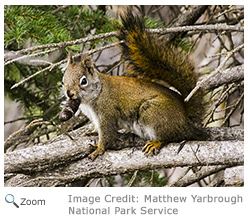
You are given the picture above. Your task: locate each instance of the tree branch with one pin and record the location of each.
(203, 82)
(61, 44)
(229, 75)
(174, 30)
(234, 176)
(188, 18)
(49, 68)
(207, 28)
(44, 165)
(61, 161)
(198, 175)
(30, 56)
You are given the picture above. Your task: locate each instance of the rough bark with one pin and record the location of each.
(188, 18)
(61, 161)
(228, 75)
(234, 176)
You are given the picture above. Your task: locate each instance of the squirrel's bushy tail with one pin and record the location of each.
(152, 57)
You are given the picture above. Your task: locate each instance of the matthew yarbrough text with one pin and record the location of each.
(195, 198)
(217, 199)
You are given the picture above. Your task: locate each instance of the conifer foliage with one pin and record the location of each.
(26, 26)
(37, 40)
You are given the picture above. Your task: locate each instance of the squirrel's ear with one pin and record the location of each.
(87, 62)
(83, 56)
(70, 58)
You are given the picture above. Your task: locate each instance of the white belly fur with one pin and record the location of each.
(145, 132)
(89, 112)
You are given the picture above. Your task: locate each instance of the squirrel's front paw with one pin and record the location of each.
(94, 132)
(152, 147)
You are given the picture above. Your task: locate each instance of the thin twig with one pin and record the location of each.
(180, 177)
(21, 118)
(132, 178)
(207, 28)
(220, 100)
(49, 68)
(197, 176)
(233, 108)
(204, 81)
(30, 55)
(65, 44)
(60, 9)
(114, 67)
(28, 78)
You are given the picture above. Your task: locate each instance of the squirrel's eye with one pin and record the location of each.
(83, 80)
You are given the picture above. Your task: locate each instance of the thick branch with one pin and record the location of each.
(234, 176)
(44, 165)
(229, 75)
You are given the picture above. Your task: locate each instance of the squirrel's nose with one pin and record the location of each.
(69, 94)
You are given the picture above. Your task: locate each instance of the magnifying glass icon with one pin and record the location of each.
(10, 199)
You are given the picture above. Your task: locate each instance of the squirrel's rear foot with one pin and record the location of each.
(99, 150)
(152, 147)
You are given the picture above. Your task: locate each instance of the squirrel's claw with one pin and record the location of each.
(94, 132)
(99, 150)
(93, 155)
(152, 147)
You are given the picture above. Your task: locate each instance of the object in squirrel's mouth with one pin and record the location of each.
(69, 110)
